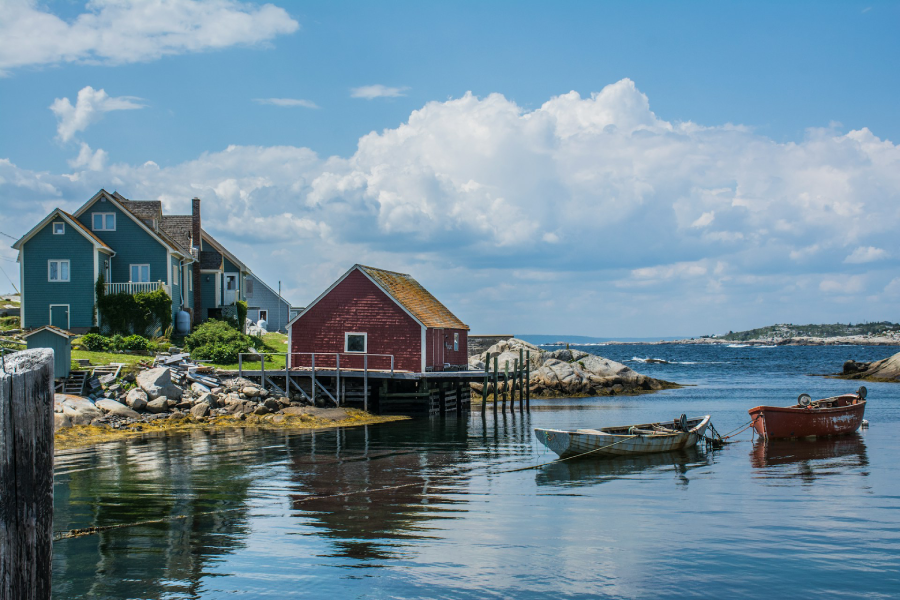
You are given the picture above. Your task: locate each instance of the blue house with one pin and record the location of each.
(137, 249)
(265, 304)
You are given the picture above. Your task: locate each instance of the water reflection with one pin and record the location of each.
(367, 493)
(193, 485)
(592, 471)
(810, 459)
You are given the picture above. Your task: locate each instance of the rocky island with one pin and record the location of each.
(887, 369)
(568, 373)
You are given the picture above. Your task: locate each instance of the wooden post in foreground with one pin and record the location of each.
(512, 403)
(26, 474)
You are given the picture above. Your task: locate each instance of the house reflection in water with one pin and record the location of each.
(166, 478)
(368, 498)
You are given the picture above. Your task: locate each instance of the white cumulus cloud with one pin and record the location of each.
(370, 92)
(669, 227)
(865, 254)
(90, 106)
(127, 31)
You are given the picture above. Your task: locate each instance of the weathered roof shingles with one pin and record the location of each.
(415, 298)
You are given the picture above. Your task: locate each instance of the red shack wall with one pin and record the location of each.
(358, 305)
(436, 352)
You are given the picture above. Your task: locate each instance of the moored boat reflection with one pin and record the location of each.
(813, 457)
(587, 472)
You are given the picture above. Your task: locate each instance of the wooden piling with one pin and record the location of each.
(26, 474)
(484, 390)
(528, 380)
(512, 403)
(521, 380)
(505, 386)
(496, 386)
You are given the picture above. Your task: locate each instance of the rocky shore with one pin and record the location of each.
(887, 369)
(568, 373)
(149, 400)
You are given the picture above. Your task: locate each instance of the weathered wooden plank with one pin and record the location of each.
(26, 474)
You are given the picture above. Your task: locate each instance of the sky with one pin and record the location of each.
(610, 169)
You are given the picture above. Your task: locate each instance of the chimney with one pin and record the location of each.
(195, 250)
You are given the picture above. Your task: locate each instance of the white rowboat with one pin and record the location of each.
(645, 438)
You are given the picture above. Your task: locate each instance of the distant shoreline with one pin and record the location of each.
(850, 340)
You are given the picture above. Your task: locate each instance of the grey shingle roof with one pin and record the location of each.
(178, 227)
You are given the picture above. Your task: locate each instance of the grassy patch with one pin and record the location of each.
(274, 342)
(7, 323)
(105, 358)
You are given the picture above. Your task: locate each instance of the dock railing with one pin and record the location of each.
(289, 364)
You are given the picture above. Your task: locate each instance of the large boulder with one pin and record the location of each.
(116, 408)
(887, 369)
(80, 411)
(136, 399)
(158, 383)
(160, 405)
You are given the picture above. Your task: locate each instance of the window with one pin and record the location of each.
(59, 228)
(355, 342)
(230, 283)
(456, 342)
(140, 273)
(104, 221)
(58, 270)
(175, 275)
(264, 315)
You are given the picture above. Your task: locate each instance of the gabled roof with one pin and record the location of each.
(51, 329)
(265, 285)
(142, 209)
(408, 293)
(416, 299)
(178, 227)
(119, 201)
(73, 223)
(223, 251)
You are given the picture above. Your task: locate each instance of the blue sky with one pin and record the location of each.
(719, 165)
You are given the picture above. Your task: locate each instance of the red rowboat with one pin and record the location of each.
(820, 418)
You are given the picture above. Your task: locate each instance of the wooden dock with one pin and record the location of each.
(389, 391)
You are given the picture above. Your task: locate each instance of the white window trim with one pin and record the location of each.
(266, 318)
(68, 315)
(131, 273)
(365, 335)
(62, 231)
(59, 271)
(104, 215)
(175, 279)
(456, 341)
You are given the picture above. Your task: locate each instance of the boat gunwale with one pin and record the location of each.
(703, 422)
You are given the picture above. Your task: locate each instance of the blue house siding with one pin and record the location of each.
(39, 293)
(177, 280)
(133, 245)
(62, 350)
(208, 293)
(259, 297)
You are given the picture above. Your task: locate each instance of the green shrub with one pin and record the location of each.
(94, 342)
(218, 342)
(141, 312)
(136, 343)
(117, 343)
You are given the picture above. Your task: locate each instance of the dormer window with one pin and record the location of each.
(103, 221)
(59, 228)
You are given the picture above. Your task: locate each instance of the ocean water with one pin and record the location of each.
(433, 508)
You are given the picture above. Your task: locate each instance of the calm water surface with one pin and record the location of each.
(421, 509)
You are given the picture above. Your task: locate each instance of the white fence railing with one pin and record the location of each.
(134, 288)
